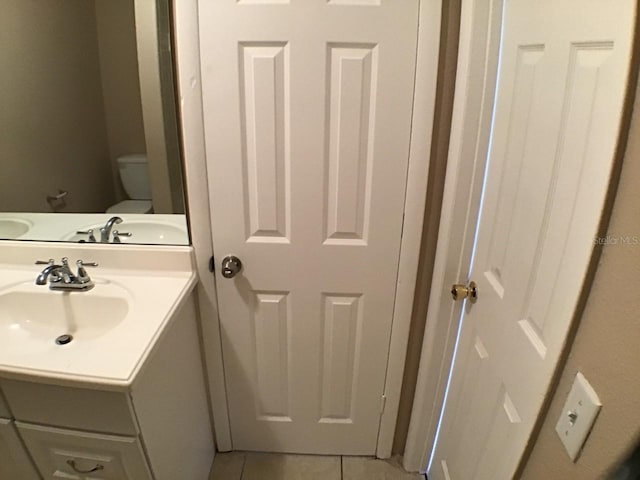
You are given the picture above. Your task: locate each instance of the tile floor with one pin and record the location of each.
(268, 466)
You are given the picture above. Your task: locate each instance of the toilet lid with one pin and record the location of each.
(131, 206)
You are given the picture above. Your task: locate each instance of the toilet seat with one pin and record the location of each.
(131, 206)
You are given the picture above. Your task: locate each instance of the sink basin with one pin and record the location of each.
(142, 231)
(102, 335)
(11, 228)
(37, 314)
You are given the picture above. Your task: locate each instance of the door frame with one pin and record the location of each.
(189, 89)
(478, 57)
(186, 41)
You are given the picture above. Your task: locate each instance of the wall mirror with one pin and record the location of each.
(88, 124)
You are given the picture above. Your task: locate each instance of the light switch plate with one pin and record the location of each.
(577, 417)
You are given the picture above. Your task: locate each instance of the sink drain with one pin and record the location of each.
(63, 339)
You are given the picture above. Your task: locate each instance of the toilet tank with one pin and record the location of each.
(134, 174)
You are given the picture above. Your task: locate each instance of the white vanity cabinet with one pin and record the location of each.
(15, 463)
(157, 427)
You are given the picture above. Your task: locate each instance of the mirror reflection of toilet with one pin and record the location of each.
(134, 175)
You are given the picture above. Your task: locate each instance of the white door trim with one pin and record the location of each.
(191, 112)
(187, 45)
(429, 22)
(478, 54)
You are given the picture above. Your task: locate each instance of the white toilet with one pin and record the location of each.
(134, 174)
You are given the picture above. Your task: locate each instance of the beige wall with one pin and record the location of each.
(146, 13)
(52, 129)
(607, 345)
(120, 82)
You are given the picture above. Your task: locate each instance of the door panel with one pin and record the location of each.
(307, 119)
(341, 351)
(265, 120)
(271, 326)
(561, 88)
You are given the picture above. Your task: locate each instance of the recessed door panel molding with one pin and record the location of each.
(503, 421)
(264, 102)
(271, 332)
(521, 137)
(351, 110)
(584, 101)
(534, 335)
(462, 432)
(472, 367)
(487, 416)
(341, 352)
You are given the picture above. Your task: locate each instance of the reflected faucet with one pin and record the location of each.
(105, 232)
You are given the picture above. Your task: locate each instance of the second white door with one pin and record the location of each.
(307, 120)
(560, 96)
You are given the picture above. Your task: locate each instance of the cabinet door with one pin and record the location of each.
(14, 461)
(60, 453)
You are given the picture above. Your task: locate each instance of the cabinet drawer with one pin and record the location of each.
(60, 453)
(99, 411)
(15, 463)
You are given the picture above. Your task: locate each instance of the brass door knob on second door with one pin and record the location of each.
(460, 292)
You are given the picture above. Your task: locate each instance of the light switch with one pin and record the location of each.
(579, 413)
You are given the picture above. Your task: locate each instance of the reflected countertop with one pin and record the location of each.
(66, 227)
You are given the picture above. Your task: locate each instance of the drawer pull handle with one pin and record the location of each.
(72, 464)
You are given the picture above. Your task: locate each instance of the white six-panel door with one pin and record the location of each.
(561, 87)
(307, 121)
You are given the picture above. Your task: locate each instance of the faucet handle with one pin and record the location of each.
(83, 276)
(51, 261)
(92, 237)
(82, 263)
(65, 272)
(117, 234)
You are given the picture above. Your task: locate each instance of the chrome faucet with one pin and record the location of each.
(49, 273)
(105, 232)
(60, 277)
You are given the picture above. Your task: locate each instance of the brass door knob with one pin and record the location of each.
(460, 292)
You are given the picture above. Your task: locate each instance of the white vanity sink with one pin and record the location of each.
(11, 228)
(113, 326)
(33, 314)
